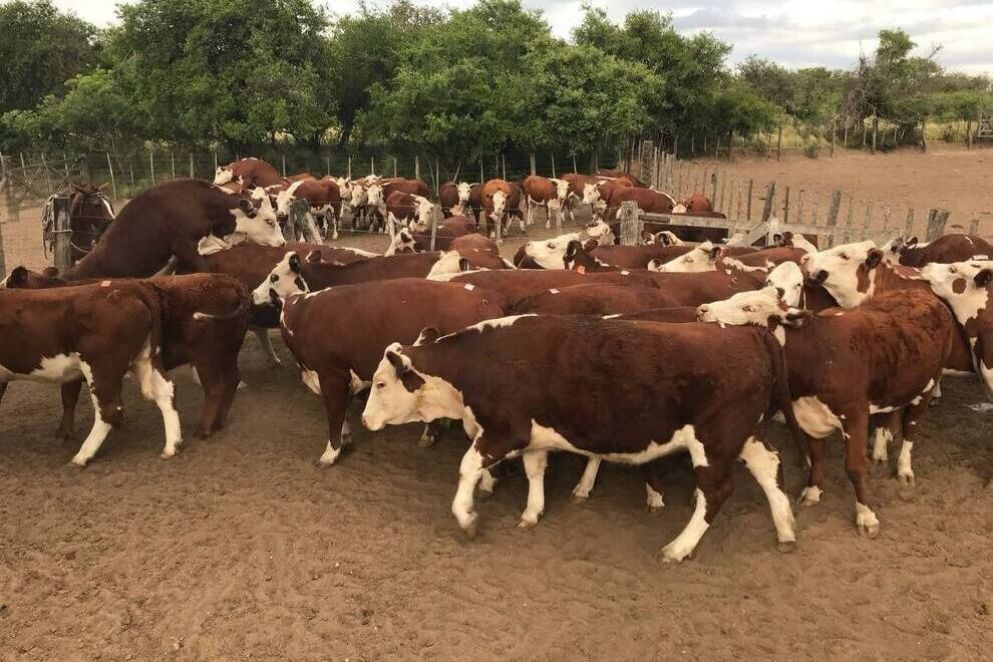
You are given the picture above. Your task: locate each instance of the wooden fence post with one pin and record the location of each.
(713, 185)
(786, 206)
(630, 223)
(574, 170)
(192, 172)
(875, 130)
(924, 134)
(503, 165)
(770, 202)
(395, 170)
(417, 167)
(909, 229)
(48, 180)
(7, 179)
(937, 218)
(151, 165)
(349, 166)
(284, 164)
(834, 133)
(113, 181)
(63, 233)
(974, 227)
(534, 169)
(748, 209)
(435, 215)
(553, 165)
(645, 160)
(779, 143)
(833, 211)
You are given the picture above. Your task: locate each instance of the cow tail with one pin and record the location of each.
(782, 399)
(155, 302)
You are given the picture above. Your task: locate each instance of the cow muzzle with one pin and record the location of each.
(818, 277)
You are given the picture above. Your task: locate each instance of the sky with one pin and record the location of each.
(795, 33)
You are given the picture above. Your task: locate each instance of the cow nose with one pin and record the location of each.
(701, 311)
(781, 292)
(365, 422)
(819, 276)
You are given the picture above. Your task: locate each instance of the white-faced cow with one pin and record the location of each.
(691, 388)
(544, 192)
(325, 204)
(946, 249)
(454, 198)
(250, 172)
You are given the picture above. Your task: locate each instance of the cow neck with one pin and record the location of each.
(888, 278)
(913, 256)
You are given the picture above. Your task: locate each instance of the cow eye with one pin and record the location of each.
(550, 245)
(273, 278)
(843, 256)
(380, 384)
(952, 270)
(748, 309)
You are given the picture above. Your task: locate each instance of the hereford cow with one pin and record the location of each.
(410, 241)
(493, 200)
(454, 198)
(337, 354)
(621, 176)
(593, 300)
(169, 220)
(411, 186)
(544, 192)
(947, 249)
(516, 284)
(94, 332)
(403, 210)
(884, 356)
(204, 319)
(251, 172)
(696, 204)
(652, 202)
(708, 257)
(707, 389)
(324, 199)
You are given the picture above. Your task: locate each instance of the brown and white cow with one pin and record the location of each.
(204, 319)
(544, 192)
(516, 284)
(169, 220)
(493, 200)
(324, 198)
(691, 388)
(410, 241)
(698, 203)
(411, 186)
(406, 210)
(884, 356)
(946, 249)
(648, 201)
(454, 198)
(95, 332)
(710, 257)
(338, 353)
(250, 172)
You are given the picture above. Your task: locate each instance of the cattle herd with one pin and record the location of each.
(611, 352)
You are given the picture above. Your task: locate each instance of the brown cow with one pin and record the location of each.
(411, 186)
(409, 241)
(204, 319)
(622, 176)
(544, 192)
(338, 353)
(300, 176)
(94, 332)
(706, 388)
(325, 203)
(515, 284)
(844, 365)
(593, 300)
(494, 200)
(454, 198)
(696, 204)
(169, 220)
(652, 202)
(250, 171)
(708, 257)
(947, 249)
(409, 210)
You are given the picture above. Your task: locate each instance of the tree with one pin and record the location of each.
(41, 48)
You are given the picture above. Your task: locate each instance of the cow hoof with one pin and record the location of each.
(241, 385)
(866, 522)
(527, 523)
(167, 454)
(907, 479)
(79, 462)
(427, 440)
(786, 546)
(811, 496)
(580, 498)
(672, 554)
(201, 433)
(471, 527)
(653, 509)
(63, 435)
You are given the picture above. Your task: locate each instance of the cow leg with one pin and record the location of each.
(108, 410)
(219, 387)
(335, 389)
(3, 389)
(654, 490)
(912, 414)
(583, 488)
(70, 397)
(431, 433)
(856, 431)
(535, 463)
(157, 388)
(882, 434)
(811, 494)
(265, 342)
(714, 486)
(470, 472)
(765, 468)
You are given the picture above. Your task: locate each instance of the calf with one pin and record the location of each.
(337, 353)
(404, 209)
(454, 198)
(94, 332)
(544, 192)
(593, 300)
(844, 365)
(691, 388)
(204, 318)
(493, 200)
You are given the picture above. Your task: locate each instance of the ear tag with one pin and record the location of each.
(581, 270)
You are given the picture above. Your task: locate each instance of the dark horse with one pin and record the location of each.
(90, 214)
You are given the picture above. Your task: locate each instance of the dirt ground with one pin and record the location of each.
(239, 548)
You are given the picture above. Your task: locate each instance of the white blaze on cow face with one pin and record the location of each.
(499, 204)
(357, 196)
(838, 271)
(283, 199)
(258, 225)
(222, 176)
(403, 242)
(694, 261)
(755, 307)
(423, 214)
(591, 194)
(549, 254)
(561, 189)
(400, 394)
(283, 280)
(787, 279)
(374, 195)
(464, 189)
(962, 285)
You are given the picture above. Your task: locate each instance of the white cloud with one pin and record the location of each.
(795, 32)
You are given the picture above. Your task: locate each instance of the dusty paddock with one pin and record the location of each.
(240, 548)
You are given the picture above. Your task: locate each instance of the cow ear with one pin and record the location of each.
(428, 335)
(795, 317)
(18, 277)
(874, 257)
(910, 243)
(716, 252)
(572, 249)
(51, 273)
(313, 257)
(464, 264)
(399, 362)
(778, 240)
(294, 263)
(983, 277)
(647, 237)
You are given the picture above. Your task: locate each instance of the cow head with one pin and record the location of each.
(397, 393)
(449, 264)
(548, 254)
(374, 195)
(223, 175)
(21, 277)
(464, 189)
(846, 272)
(701, 258)
(591, 194)
(679, 208)
(499, 205)
(561, 189)
(791, 240)
(787, 279)
(403, 242)
(964, 286)
(895, 247)
(667, 238)
(600, 232)
(256, 219)
(284, 196)
(284, 279)
(358, 196)
(762, 308)
(423, 211)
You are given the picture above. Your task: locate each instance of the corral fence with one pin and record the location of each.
(756, 209)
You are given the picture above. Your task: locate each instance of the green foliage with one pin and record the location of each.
(40, 49)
